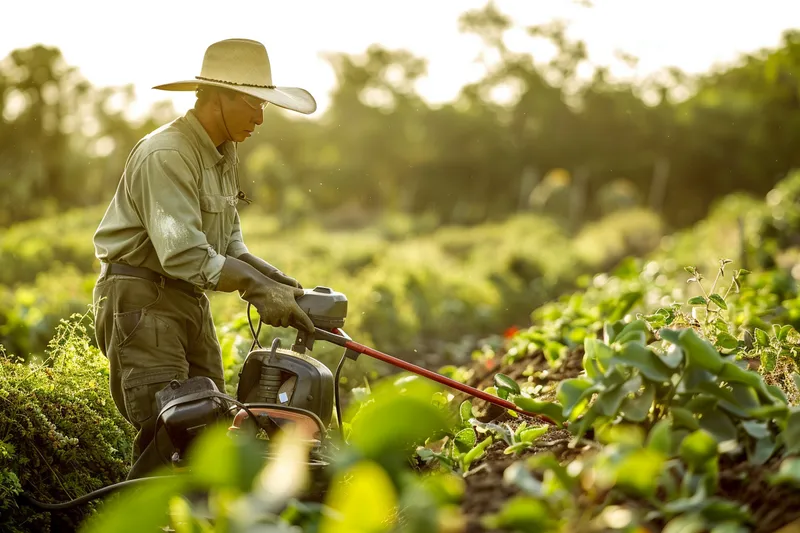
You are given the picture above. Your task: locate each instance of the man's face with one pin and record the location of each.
(242, 113)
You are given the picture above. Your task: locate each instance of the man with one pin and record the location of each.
(172, 232)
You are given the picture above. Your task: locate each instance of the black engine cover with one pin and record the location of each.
(287, 378)
(191, 406)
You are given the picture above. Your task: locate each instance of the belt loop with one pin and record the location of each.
(162, 282)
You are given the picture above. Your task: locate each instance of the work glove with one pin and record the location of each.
(275, 302)
(268, 270)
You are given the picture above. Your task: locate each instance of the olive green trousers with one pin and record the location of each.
(152, 335)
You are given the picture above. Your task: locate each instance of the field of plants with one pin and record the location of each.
(666, 367)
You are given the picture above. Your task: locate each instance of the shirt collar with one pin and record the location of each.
(211, 156)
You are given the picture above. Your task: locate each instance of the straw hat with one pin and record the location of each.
(243, 65)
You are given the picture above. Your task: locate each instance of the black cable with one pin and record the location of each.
(336, 394)
(90, 496)
(253, 330)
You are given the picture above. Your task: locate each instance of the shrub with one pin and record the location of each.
(60, 433)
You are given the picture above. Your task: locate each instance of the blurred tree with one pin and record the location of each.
(39, 96)
(680, 141)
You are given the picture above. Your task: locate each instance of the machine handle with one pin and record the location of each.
(340, 338)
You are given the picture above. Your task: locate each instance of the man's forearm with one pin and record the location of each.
(258, 263)
(237, 276)
(269, 270)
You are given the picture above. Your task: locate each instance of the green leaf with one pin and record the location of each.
(730, 527)
(635, 331)
(571, 393)
(610, 400)
(396, 419)
(631, 336)
(553, 351)
(788, 473)
(719, 510)
(599, 354)
(688, 506)
(688, 523)
(465, 410)
(745, 396)
(637, 408)
(629, 435)
(551, 410)
(502, 381)
(694, 377)
(673, 356)
(670, 335)
(763, 449)
(784, 332)
(727, 341)
(697, 449)
(698, 301)
(700, 352)
(521, 513)
(683, 418)
(634, 325)
(717, 299)
(656, 321)
(719, 425)
(768, 359)
(757, 430)
(547, 462)
(475, 453)
(639, 472)
(731, 373)
(660, 437)
(762, 339)
(465, 440)
(791, 435)
(777, 393)
(517, 475)
(222, 462)
(643, 359)
(768, 412)
(531, 434)
(361, 498)
(624, 304)
(148, 504)
(727, 399)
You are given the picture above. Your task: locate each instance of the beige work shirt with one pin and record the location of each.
(174, 210)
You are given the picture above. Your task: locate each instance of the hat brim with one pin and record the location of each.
(291, 98)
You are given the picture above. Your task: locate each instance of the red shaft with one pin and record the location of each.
(405, 365)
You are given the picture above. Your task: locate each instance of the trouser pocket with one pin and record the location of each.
(139, 390)
(135, 298)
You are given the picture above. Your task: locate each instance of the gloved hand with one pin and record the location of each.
(276, 302)
(268, 270)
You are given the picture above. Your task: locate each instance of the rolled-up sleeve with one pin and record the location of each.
(236, 246)
(165, 192)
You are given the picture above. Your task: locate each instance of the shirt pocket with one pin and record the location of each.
(217, 214)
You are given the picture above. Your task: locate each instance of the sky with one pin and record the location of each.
(148, 42)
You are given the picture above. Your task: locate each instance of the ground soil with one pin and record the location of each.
(771, 507)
